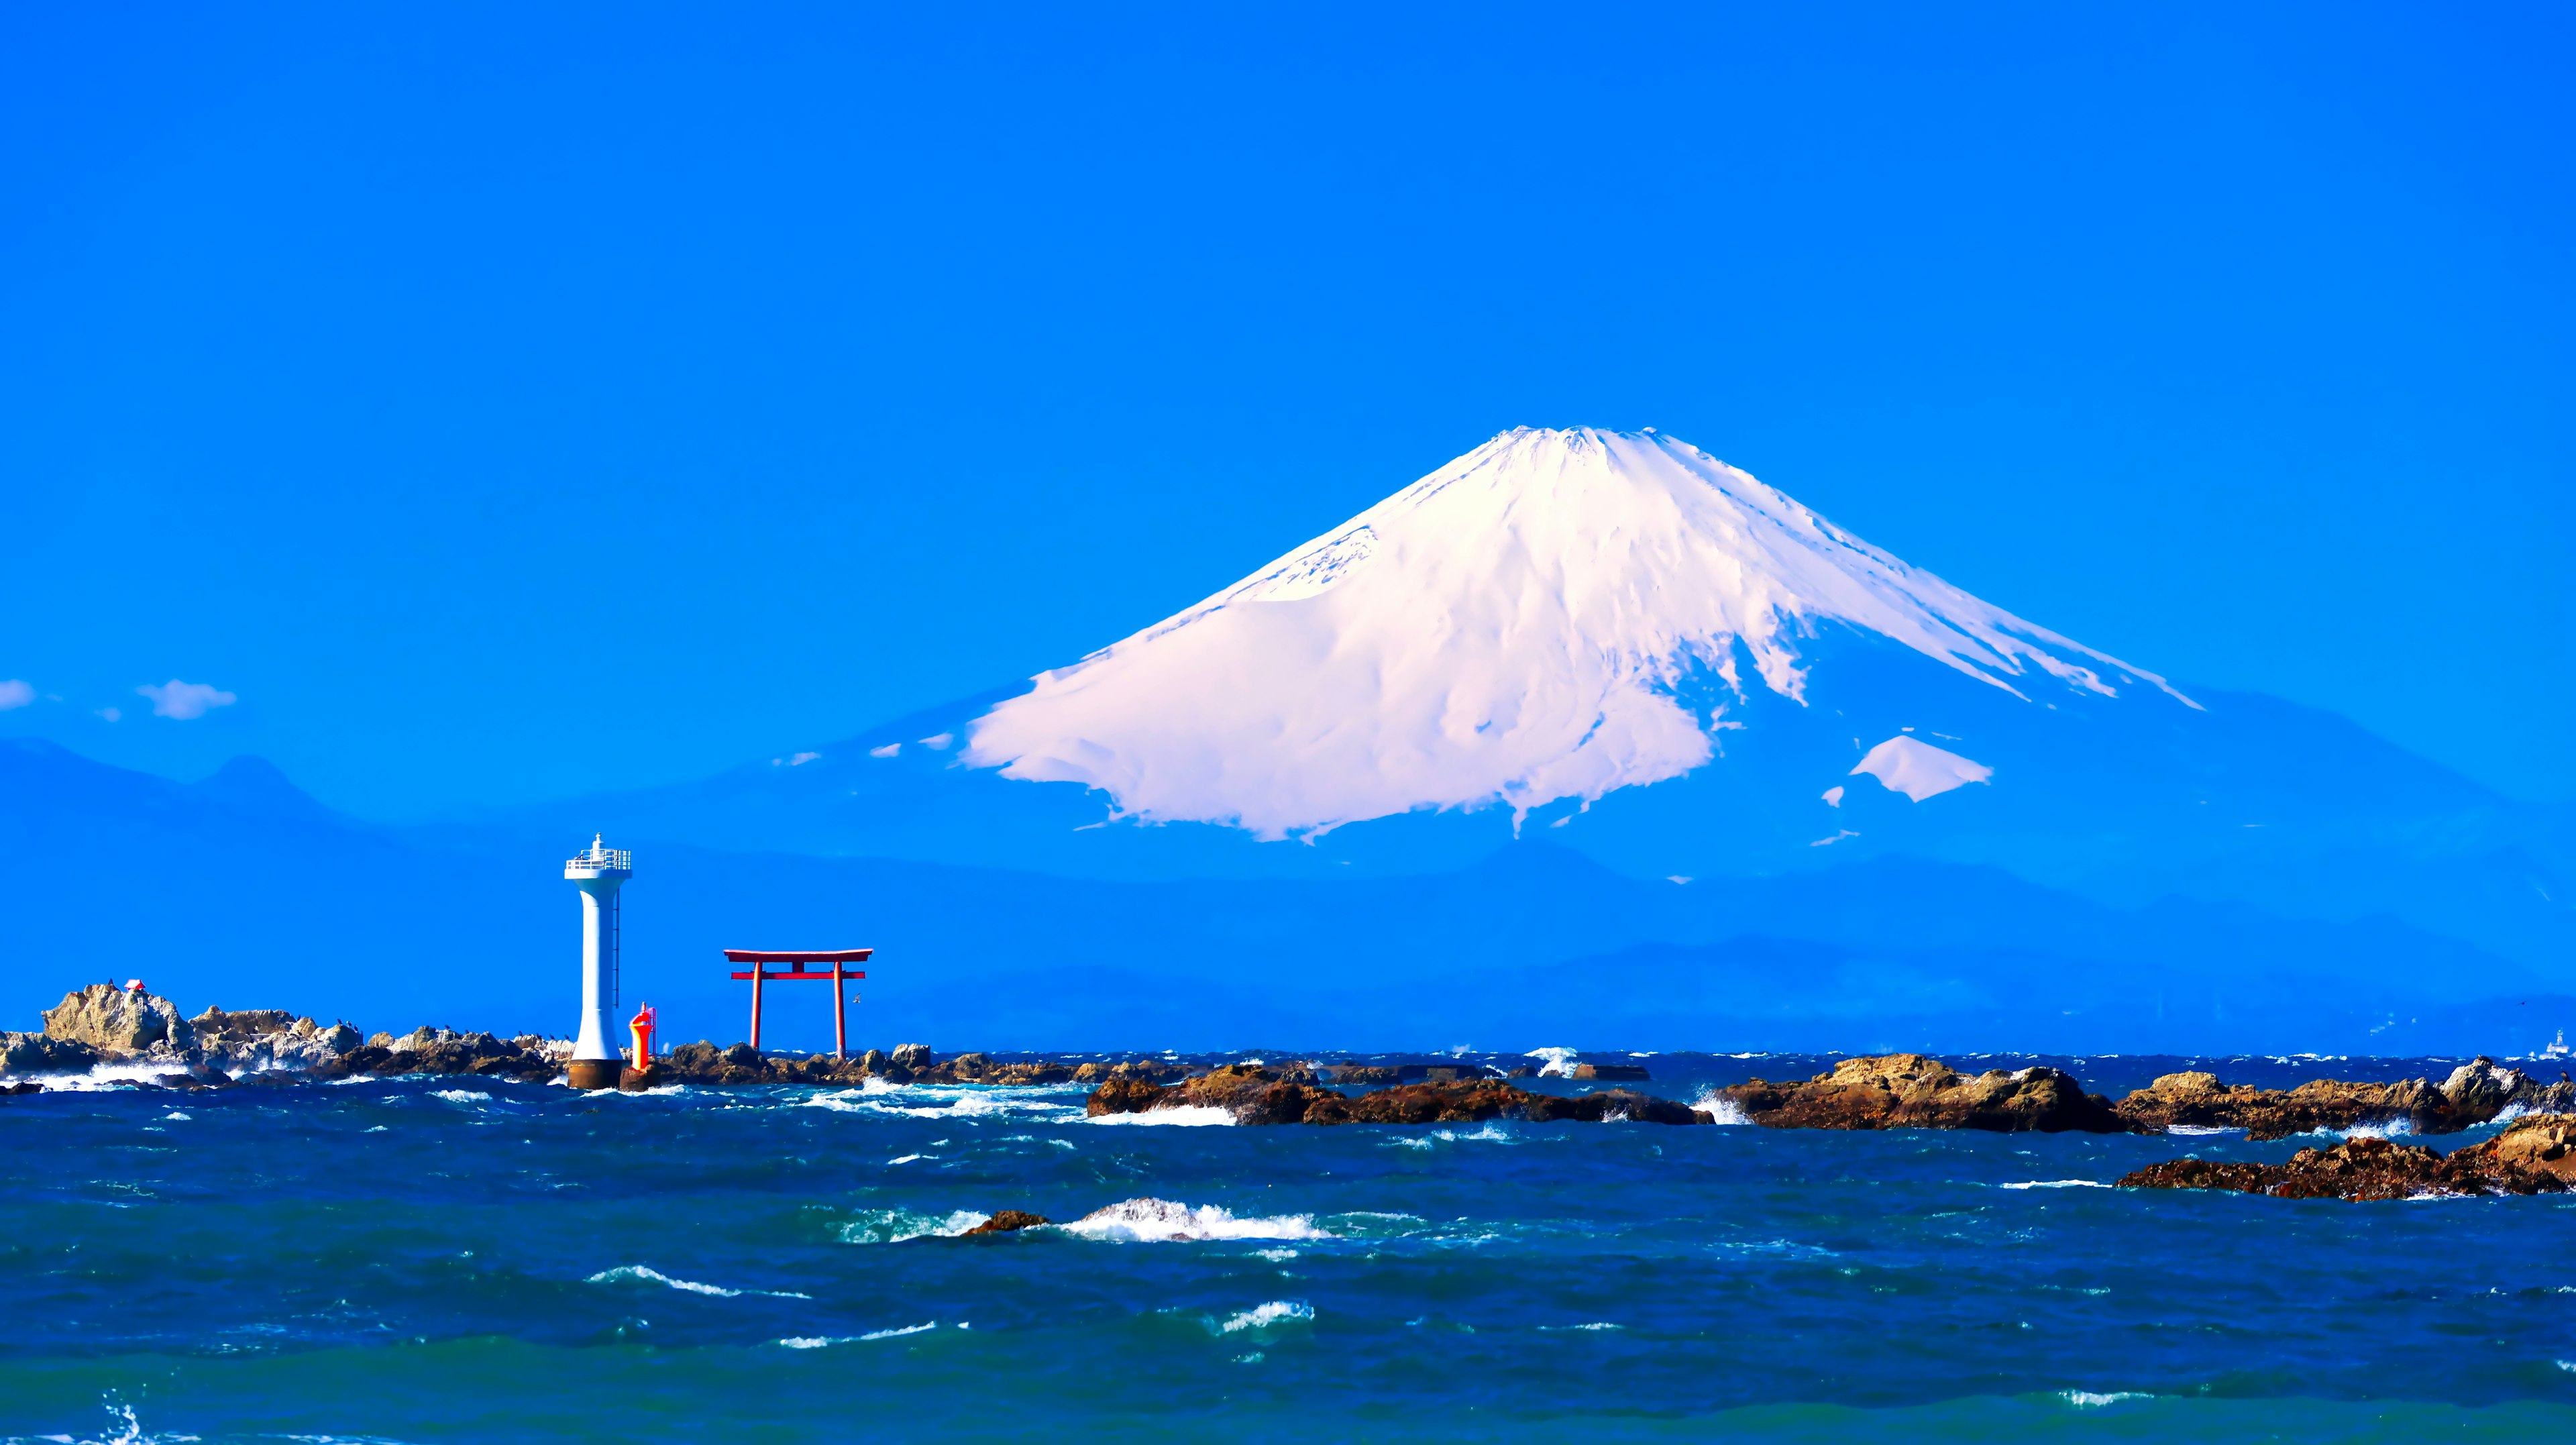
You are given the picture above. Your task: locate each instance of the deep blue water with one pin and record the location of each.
(434, 1260)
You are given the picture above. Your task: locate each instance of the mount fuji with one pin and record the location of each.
(1617, 643)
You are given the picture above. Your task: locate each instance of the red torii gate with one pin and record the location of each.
(796, 962)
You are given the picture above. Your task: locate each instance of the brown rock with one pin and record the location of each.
(1009, 1221)
(2373, 1168)
(1126, 1096)
(2536, 1143)
(1914, 1091)
(1610, 1071)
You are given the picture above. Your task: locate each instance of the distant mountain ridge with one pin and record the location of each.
(1584, 738)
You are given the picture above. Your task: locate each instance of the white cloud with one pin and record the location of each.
(14, 693)
(184, 700)
(889, 750)
(111, 714)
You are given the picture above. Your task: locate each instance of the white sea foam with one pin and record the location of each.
(460, 1096)
(1594, 1325)
(1133, 1221)
(1276, 1256)
(922, 1102)
(1720, 1109)
(175, 1114)
(1184, 1116)
(894, 1226)
(2058, 1184)
(1263, 1316)
(1559, 1065)
(654, 1276)
(2199, 1129)
(906, 1158)
(2089, 1400)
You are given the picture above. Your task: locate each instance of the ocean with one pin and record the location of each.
(433, 1260)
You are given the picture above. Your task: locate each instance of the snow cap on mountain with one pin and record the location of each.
(1509, 629)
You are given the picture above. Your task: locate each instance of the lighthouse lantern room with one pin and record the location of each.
(597, 871)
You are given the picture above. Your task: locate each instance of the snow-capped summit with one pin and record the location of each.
(1527, 623)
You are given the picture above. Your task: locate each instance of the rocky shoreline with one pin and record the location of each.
(146, 1035)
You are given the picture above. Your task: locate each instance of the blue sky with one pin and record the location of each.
(506, 402)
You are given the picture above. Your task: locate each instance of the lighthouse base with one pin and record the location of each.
(593, 1073)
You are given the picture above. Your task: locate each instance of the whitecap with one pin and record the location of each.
(906, 1158)
(1594, 1325)
(1263, 1316)
(900, 1330)
(655, 1276)
(2200, 1129)
(1131, 1221)
(2089, 1400)
(460, 1096)
(2058, 1184)
(1185, 1116)
(1559, 1065)
(1276, 1256)
(894, 1226)
(175, 1114)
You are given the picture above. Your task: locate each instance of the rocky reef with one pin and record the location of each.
(1254, 1094)
(2475, 1093)
(1911, 1091)
(2535, 1154)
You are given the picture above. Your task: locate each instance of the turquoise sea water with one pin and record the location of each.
(442, 1260)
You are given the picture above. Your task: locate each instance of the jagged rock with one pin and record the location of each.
(118, 1021)
(445, 1051)
(970, 1066)
(1610, 1071)
(2200, 1100)
(913, 1056)
(1912, 1091)
(1352, 1071)
(253, 1039)
(1010, 1220)
(874, 1060)
(2531, 1157)
(2535, 1143)
(30, 1053)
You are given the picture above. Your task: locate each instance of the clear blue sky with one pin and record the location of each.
(512, 401)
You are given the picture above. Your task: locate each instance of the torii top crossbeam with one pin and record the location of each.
(800, 966)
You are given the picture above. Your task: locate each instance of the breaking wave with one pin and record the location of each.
(1185, 1116)
(1262, 1316)
(651, 1275)
(1140, 1221)
(894, 1226)
(1720, 1109)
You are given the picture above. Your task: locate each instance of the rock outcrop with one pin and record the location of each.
(1257, 1095)
(269, 1038)
(527, 1058)
(27, 1053)
(2535, 1155)
(1912, 1091)
(2474, 1094)
(1010, 1221)
(120, 1023)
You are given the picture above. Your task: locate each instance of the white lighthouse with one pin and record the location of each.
(598, 871)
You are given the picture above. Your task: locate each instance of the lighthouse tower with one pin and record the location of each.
(598, 871)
